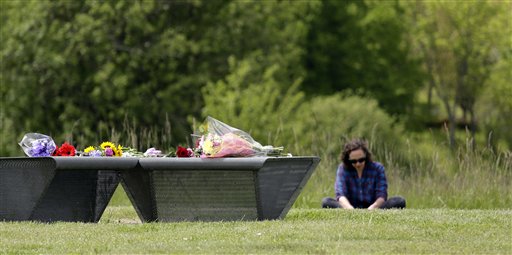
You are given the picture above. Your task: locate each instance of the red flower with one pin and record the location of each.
(182, 152)
(66, 150)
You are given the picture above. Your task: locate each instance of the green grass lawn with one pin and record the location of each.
(303, 231)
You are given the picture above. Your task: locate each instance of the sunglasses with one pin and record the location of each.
(353, 161)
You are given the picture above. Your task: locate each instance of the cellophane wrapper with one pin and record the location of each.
(37, 145)
(222, 140)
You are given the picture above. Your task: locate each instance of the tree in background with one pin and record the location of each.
(260, 92)
(494, 103)
(78, 70)
(71, 67)
(360, 46)
(460, 45)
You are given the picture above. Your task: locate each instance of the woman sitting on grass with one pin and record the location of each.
(361, 182)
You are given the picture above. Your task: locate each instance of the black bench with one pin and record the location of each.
(161, 189)
(58, 188)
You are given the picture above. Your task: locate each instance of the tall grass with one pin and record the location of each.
(130, 135)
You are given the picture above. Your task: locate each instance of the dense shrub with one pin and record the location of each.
(326, 122)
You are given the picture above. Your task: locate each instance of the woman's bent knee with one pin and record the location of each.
(329, 202)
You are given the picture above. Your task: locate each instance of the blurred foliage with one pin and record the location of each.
(82, 69)
(327, 122)
(141, 72)
(494, 106)
(361, 46)
(72, 67)
(460, 44)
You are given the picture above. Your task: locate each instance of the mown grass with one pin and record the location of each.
(303, 231)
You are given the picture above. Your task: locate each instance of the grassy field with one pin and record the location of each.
(459, 201)
(303, 231)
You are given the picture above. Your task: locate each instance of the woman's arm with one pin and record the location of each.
(345, 204)
(381, 190)
(340, 188)
(377, 204)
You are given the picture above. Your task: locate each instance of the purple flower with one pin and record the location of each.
(41, 148)
(152, 152)
(109, 152)
(37, 145)
(95, 153)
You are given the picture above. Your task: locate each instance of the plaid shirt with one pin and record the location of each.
(362, 192)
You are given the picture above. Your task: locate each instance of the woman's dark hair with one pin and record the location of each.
(354, 144)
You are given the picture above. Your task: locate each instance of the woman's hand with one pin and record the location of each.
(345, 204)
(377, 204)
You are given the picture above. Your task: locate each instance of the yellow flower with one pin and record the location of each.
(114, 151)
(209, 148)
(119, 151)
(108, 144)
(89, 149)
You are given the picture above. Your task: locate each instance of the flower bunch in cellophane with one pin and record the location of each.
(37, 145)
(221, 140)
(40, 145)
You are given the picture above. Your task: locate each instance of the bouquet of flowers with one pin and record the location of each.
(37, 145)
(221, 140)
(107, 149)
(217, 140)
